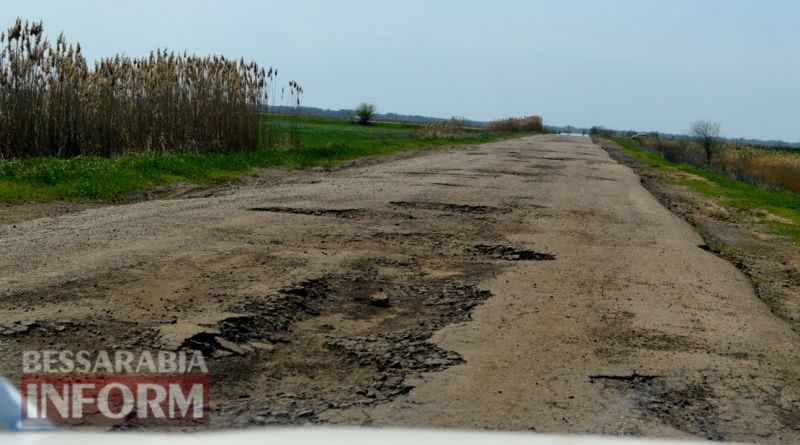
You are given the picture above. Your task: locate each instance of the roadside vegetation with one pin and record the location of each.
(324, 140)
(54, 103)
(71, 130)
(530, 123)
(448, 128)
(749, 180)
(364, 113)
(765, 167)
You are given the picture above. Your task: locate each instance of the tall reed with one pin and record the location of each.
(52, 102)
(530, 123)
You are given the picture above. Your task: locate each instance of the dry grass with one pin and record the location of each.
(451, 127)
(775, 167)
(53, 103)
(530, 123)
(757, 165)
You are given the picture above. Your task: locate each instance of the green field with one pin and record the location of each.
(757, 204)
(323, 140)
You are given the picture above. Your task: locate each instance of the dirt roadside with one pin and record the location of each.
(529, 284)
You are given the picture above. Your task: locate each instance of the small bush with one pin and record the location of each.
(364, 113)
(707, 134)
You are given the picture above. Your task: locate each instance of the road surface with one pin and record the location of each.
(529, 284)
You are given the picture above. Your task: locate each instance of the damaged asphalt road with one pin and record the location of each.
(530, 284)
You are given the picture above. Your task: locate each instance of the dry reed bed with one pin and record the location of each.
(530, 123)
(758, 165)
(774, 167)
(447, 128)
(52, 102)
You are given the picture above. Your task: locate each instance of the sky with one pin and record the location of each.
(623, 64)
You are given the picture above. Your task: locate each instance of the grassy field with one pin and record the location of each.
(323, 141)
(776, 211)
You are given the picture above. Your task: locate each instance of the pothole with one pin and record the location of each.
(546, 167)
(559, 158)
(447, 184)
(398, 354)
(601, 178)
(513, 173)
(263, 321)
(447, 207)
(510, 253)
(442, 173)
(340, 213)
(371, 330)
(687, 407)
(711, 249)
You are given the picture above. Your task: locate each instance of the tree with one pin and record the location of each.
(707, 133)
(365, 112)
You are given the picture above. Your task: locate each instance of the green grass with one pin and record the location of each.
(752, 201)
(324, 140)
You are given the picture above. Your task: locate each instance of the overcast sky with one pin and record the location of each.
(637, 64)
